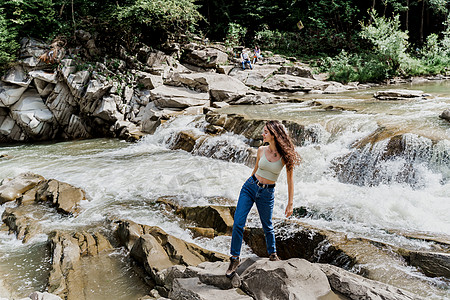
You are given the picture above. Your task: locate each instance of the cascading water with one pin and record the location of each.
(368, 195)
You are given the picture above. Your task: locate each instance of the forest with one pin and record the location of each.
(351, 40)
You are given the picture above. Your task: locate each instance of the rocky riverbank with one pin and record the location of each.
(131, 95)
(314, 265)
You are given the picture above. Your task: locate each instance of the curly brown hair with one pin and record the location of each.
(284, 144)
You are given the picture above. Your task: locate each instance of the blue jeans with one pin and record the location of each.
(246, 62)
(264, 199)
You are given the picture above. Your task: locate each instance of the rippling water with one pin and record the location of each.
(124, 180)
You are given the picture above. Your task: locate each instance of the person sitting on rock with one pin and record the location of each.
(245, 59)
(257, 54)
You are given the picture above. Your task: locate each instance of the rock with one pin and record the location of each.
(256, 77)
(254, 98)
(10, 94)
(149, 81)
(151, 118)
(77, 128)
(432, 264)
(30, 47)
(10, 130)
(11, 189)
(157, 250)
(299, 71)
(127, 131)
(224, 69)
(445, 115)
(107, 110)
(399, 94)
(77, 82)
(185, 140)
(213, 273)
(177, 97)
(17, 76)
(96, 89)
(44, 76)
(221, 87)
(65, 197)
(220, 104)
(289, 83)
(67, 275)
(291, 279)
(203, 57)
(62, 104)
(19, 222)
(44, 88)
(220, 218)
(33, 116)
(192, 288)
(357, 287)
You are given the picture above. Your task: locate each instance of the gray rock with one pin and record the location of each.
(300, 71)
(357, 287)
(289, 83)
(399, 94)
(149, 81)
(204, 57)
(62, 104)
(42, 75)
(10, 94)
(192, 288)
(77, 128)
(107, 110)
(33, 115)
(17, 76)
(77, 82)
(432, 264)
(44, 88)
(445, 115)
(30, 47)
(291, 279)
(178, 97)
(42, 296)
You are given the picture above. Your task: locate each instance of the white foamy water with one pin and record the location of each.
(123, 180)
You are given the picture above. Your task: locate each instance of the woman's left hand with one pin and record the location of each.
(289, 210)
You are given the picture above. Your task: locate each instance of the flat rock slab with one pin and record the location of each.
(11, 189)
(357, 287)
(193, 288)
(399, 94)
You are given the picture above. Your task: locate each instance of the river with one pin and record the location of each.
(123, 181)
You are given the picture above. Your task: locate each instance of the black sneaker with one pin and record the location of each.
(234, 263)
(274, 257)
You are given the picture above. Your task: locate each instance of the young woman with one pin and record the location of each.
(259, 189)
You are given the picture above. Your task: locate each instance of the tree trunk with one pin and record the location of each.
(407, 15)
(421, 21)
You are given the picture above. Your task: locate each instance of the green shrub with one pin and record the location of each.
(8, 44)
(235, 35)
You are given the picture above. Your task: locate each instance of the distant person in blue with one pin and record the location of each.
(257, 54)
(245, 59)
(260, 187)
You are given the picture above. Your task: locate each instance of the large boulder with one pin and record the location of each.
(13, 188)
(256, 77)
(357, 287)
(65, 197)
(33, 116)
(292, 279)
(10, 94)
(77, 82)
(300, 71)
(289, 83)
(222, 88)
(107, 110)
(177, 97)
(203, 57)
(18, 76)
(445, 115)
(67, 278)
(62, 104)
(156, 250)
